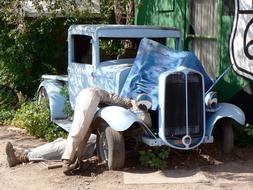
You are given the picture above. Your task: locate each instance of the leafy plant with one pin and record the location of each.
(244, 136)
(6, 115)
(32, 47)
(112, 47)
(9, 101)
(154, 159)
(68, 110)
(35, 118)
(8, 97)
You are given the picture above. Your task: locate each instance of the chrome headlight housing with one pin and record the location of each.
(144, 102)
(211, 101)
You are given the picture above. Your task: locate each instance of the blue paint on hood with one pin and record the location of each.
(153, 59)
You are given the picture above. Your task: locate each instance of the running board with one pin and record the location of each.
(64, 124)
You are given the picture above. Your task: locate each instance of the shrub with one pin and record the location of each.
(244, 136)
(6, 115)
(31, 51)
(35, 118)
(8, 97)
(9, 101)
(30, 47)
(154, 158)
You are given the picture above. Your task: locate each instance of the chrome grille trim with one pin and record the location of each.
(194, 126)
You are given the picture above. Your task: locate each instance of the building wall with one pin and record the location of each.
(161, 13)
(206, 27)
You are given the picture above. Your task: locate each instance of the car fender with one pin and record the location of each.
(225, 110)
(118, 118)
(57, 102)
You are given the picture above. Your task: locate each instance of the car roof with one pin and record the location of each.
(124, 31)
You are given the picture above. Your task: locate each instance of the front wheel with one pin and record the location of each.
(111, 147)
(227, 137)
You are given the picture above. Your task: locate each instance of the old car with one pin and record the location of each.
(183, 108)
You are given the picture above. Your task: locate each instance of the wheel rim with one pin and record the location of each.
(103, 146)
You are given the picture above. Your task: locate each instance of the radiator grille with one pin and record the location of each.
(178, 107)
(175, 105)
(195, 104)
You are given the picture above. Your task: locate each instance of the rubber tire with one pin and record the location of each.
(115, 145)
(227, 137)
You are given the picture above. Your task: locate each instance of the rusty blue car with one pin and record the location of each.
(184, 109)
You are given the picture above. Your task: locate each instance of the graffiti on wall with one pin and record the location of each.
(241, 40)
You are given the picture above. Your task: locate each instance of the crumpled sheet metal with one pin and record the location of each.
(153, 59)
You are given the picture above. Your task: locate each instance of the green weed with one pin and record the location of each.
(244, 136)
(156, 159)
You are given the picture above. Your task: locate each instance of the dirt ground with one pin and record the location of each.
(232, 172)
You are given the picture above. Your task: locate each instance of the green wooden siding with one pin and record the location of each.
(232, 83)
(152, 12)
(176, 13)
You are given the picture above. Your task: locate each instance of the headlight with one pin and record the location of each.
(211, 100)
(144, 102)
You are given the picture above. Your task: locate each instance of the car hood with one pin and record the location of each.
(153, 59)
